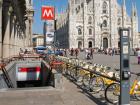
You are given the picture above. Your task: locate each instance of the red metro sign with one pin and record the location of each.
(48, 13)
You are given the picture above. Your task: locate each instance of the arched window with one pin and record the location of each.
(104, 23)
(79, 31)
(90, 31)
(90, 20)
(104, 7)
(119, 21)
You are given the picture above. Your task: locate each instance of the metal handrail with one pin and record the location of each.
(98, 73)
(79, 67)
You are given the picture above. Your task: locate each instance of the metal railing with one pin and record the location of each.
(81, 65)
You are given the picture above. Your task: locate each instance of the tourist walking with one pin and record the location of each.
(72, 51)
(138, 56)
(76, 52)
(91, 53)
(65, 52)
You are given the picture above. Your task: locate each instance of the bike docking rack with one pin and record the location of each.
(99, 74)
(84, 75)
(81, 65)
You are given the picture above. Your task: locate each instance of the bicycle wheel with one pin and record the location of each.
(73, 73)
(96, 84)
(79, 76)
(64, 69)
(112, 93)
(68, 71)
(86, 80)
(137, 93)
(137, 96)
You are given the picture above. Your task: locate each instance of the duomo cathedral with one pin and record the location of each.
(96, 23)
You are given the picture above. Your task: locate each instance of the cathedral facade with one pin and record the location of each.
(96, 23)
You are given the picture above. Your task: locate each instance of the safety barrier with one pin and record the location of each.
(48, 76)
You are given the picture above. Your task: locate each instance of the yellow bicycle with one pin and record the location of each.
(112, 92)
(98, 83)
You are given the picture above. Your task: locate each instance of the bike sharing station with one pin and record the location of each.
(124, 67)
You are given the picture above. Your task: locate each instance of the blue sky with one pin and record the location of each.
(38, 23)
(59, 4)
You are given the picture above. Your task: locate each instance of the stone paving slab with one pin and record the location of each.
(114, 62)
(70, 94)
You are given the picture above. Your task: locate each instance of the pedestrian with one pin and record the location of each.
(86, 53)
(76, 52)
(113, 51)
(21, 55)
(110, 51)
(72, 51)
(65, 52)
(138, 56)
(21, 51)
(91, 53)
(26, 51)
(107, 51)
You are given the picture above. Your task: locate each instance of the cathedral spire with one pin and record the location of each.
(135, 10)
(132, 11)
(124, 7)
(124, 4)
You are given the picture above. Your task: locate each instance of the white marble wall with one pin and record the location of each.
(95, 9)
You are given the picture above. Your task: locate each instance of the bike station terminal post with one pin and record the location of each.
(124, 66)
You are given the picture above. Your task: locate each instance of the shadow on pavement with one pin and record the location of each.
(98, 101)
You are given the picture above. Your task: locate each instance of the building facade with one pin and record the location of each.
(38, 40)
(14, 30)
(139, 39)
(62, 30)
(96, 23)
(29, 22)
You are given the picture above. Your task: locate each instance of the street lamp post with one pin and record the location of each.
(44, 31)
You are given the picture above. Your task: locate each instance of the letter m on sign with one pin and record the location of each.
(47, 13)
